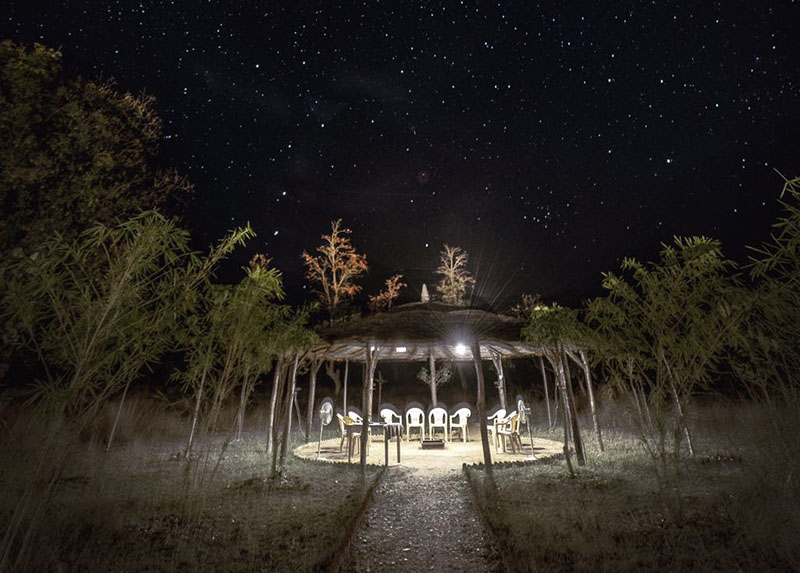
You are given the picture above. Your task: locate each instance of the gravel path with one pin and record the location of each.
(422, 520)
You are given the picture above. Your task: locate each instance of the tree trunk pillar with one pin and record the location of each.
(546, 393)
(344, 393)
(487, 452)
(312, 391)
(432, 372)
(371, 361)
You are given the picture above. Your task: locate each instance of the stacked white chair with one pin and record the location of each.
(491, 424)
(355, 416)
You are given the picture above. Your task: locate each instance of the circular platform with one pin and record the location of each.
(451, 457)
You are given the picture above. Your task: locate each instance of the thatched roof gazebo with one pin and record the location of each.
(427, 331)
(415, 331)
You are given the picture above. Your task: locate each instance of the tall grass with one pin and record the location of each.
(738, 509)
(144, 506)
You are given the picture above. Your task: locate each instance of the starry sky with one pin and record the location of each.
(547, 139)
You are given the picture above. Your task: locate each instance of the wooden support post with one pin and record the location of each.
(546, 393)
(297, 411)
(497, 361)
(432, 373)
(312, 390)
(344, 398)
(487, 452)
(371, 361)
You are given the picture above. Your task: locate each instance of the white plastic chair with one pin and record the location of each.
(355, 417)
(343, 430)
(437, 418)
(491, 424)
(499, 424)
(415, 418)
(390, 417)
(510, 429)
(460, 420)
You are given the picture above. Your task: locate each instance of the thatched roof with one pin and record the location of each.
(412, 331)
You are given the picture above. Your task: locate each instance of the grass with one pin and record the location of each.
(143, 506)
(736, 505)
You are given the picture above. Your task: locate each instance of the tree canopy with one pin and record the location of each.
(455, 278)
(72, 151)
(335, 268)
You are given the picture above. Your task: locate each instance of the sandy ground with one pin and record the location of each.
(447, 460)
(422, 517)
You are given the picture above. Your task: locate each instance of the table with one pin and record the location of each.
(389, 431)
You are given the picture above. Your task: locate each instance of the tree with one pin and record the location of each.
(526, 305)
(383, 300)
(434, 377)
(72, 151)
(248, 328)
(335, 268)
(98, 310)
(227, 341)
(660, 331)
(766, 356)
(452, 287)
(557, 329)
(292, 338)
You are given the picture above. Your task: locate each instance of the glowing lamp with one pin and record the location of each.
(400, 349)
(461, 349)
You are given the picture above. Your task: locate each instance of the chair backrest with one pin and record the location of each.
(437, 416)
(415, 416)
(461, 414)
(499, 415)
(355, 417)
(514, 423)
(507, 419)
(389, 416)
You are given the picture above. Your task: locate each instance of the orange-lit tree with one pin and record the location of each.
(384, 299)
(335, 268)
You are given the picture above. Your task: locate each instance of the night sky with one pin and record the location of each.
(549, 142)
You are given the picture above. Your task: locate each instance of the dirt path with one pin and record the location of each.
(422, 520)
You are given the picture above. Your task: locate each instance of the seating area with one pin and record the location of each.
(440, 423)
(415, 424)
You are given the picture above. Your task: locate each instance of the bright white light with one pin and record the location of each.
(461, 349)
(400, 349)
